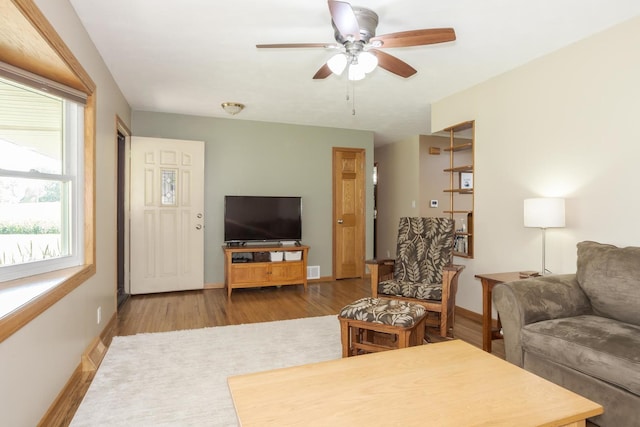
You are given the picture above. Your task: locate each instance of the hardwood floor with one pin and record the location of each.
(199, 309)
(210, 307)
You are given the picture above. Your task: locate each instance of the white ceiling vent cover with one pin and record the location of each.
(313, 272)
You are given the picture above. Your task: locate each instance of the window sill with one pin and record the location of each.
(24, 299)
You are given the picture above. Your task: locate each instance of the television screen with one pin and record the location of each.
(262, 218)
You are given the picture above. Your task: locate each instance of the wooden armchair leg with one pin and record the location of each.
(444, 328)
(346, 341)
(419, 332)
(449, 290)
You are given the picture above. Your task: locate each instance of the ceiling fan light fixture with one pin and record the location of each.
(232, 108)
(337, 63)
(367, 61)
(355, 33)
(356, 72)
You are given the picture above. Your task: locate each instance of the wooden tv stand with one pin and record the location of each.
(257, 272)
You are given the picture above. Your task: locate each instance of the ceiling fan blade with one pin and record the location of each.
(292, 45)
(323, 72)
(393, 64)
(416, 37)
(344, 19)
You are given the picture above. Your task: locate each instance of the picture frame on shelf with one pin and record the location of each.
(466, 180)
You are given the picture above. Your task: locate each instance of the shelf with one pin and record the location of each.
(460, 126)
(461, 200)
(461, 147)
(233, 261)
(465, 168)
(458, 190)
(461, 255)
(458, 212)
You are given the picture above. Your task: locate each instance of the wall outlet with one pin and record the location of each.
(99, 315)
(434, 204)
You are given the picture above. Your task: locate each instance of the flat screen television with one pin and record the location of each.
(262, 218)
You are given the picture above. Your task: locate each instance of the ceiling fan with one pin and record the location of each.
(355, 34)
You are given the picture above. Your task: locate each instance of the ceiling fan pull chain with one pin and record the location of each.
(348, 84)
(351, 86)
(353, 100)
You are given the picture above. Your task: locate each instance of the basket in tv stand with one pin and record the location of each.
(253, 274)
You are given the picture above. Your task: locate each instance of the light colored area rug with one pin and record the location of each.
(180, 378)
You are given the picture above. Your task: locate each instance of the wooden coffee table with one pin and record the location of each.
(446, 384)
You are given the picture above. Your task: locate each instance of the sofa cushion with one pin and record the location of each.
(596, 346)
(610, 277)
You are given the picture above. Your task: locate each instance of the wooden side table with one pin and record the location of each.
(488, 282)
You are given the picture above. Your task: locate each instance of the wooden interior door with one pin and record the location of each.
(348, 212)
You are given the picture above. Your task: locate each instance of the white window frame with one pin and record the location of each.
(73, 220)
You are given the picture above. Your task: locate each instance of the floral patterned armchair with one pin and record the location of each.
(422, 271)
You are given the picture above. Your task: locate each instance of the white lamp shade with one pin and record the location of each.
(544, 212)
(337, 63)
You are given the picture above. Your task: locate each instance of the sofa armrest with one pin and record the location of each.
(522, 302)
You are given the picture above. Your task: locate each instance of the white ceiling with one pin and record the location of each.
(189, 56)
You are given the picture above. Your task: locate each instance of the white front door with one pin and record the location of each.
(167, 215)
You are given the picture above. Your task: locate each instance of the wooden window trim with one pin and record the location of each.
(27, 26)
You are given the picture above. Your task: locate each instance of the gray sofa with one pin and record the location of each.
(581, 331)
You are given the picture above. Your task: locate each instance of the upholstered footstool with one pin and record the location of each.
(402, 321)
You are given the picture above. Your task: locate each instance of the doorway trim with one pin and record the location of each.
(123, 260)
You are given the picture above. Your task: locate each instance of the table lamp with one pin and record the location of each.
(543, 213)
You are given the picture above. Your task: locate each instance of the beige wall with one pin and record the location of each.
(408, 179)
(256, 158)
(433, 179)
(564, 125)
(37, 361)
(398, 190)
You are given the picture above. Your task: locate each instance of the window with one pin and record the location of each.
(33, 52)
(41, 153)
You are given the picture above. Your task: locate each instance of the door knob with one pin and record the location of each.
(199, 215)
(340, 221)
(198, 227)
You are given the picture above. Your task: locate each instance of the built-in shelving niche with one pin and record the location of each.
(461, 185)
